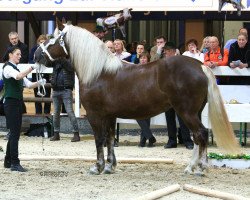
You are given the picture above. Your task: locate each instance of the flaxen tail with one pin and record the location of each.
(221, 127)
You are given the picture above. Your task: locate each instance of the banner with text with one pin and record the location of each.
(115, 5)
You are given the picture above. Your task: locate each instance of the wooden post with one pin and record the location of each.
(213, 193)
(160, 193)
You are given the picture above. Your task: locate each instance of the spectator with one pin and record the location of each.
(239, 56)
(183, 132)
(100, 32)
(134, 58)
(13, 95)
(146, 133)
(62, 81)
(205, 45)
(231, 41)
(14, 41)
(216, 57)
(120, 50)
(110, 45)
(193, 52)
(157, 50)
(38, 106)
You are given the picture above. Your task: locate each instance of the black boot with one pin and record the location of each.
(142, 142)
(76, 137)
(151, 141)
(55, 137)
(6, 163)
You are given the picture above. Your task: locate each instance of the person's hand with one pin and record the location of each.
(35, 66)
(211, 65)
(41, 81)
(232, 65)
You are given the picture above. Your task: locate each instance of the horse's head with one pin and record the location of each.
(126, 13)
(53, 48)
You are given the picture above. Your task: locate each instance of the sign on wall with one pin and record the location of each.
(114, 5)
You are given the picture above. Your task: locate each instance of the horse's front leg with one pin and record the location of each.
(111, 159)
(97, 126)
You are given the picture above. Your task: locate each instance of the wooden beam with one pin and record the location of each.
(160, 193)
(213, 193)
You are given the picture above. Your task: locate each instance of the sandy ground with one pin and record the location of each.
(68, 179)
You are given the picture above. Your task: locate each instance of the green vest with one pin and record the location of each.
(12, 88)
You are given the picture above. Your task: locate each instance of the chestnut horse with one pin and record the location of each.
(110, 89)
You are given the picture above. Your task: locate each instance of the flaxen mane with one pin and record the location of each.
(92, 58)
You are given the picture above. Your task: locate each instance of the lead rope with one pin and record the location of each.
(41, 94)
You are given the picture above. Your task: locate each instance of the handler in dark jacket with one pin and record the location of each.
(239, 56)
(62, 82)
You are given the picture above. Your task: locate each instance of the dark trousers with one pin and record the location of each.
(172, 129)
(13, 113)
(145, 127)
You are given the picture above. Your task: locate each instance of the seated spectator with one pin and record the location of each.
(216, 57)
(157, 50)
(231, 41)
(134, 58)
(193, 52)
(120, 50)
(110, 45)
(239, 56)
(205, 45)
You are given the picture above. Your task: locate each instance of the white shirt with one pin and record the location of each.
(10, 72)
(122, 55)
(199, 56)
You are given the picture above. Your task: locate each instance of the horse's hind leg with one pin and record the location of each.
(97, 126)
(111, 159)
(200, 136)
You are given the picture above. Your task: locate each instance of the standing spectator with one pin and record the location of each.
(239, 56)
(193, 52)
(14, 41)
(146, 133)
(62, 81)
(38, 106)
(183, 132)
(157, 50)
(134, 58)
(100, 32)
(231, 41)
(120, 50)
(216, 57)
(13, 95)
(205, 45)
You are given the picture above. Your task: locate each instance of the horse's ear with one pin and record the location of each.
(59, 24)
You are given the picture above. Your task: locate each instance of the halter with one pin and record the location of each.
(53, 41)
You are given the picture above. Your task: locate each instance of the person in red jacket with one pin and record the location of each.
(216, 57)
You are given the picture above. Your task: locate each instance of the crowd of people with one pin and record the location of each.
(236, 53)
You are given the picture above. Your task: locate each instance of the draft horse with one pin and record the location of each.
(110, 89)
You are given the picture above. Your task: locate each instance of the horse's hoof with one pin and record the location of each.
(108, 170)
(188, 170)
(199, 173)
(93, 170)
